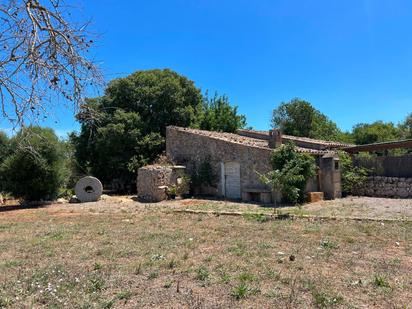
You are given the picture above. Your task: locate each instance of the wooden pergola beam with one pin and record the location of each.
(379, 146)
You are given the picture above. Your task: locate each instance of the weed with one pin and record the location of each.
(97, 266)
(5, 302)
(157, 257)
(273, 293)
(208, 259)
(224, 277)
(239, 249)
(243, 290)
(240, 291)
(96, 284)
(328, 244)
(138, 269)
(172, 264)
(108, 304)
(272, 274)
(202, 273)
(380, 282)
(167, 284)
(324, 300)
(256, 217)
(11, 263)
(124, 295)
(244, 277)
(153, 275)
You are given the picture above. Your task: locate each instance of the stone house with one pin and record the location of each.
(236, 159)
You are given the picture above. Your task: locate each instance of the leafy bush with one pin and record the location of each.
(204, 174)
(36, 167)
(291, 171)
(352, 176)
(184, 187)
(4, 151)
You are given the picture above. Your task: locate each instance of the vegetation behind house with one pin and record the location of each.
(125, 128)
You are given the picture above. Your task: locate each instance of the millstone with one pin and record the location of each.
(88, 189)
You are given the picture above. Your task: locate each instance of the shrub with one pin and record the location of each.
(204, 174)
(352, 176)
(291, 171)
(36, 168)
(4, 152)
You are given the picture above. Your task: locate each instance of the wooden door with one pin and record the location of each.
(232, 180)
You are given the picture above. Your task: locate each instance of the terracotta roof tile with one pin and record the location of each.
(244, 140)
(301, 139)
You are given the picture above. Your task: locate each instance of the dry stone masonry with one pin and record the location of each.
(379, 186)
(153, 181)
(238, 159)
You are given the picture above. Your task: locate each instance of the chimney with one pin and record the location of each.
(275, 138)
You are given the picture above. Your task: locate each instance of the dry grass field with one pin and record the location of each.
(120, 253)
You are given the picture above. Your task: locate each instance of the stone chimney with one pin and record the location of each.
(275, 138)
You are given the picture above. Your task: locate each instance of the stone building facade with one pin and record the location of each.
(237, 160)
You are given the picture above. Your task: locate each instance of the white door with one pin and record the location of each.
(232, 180)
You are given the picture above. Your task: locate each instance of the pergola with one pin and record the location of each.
(407, 143)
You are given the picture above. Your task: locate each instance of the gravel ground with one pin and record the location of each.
(362, 207)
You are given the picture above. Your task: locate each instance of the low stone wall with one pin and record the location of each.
(153, 181)
(149, 179)
(379, 186)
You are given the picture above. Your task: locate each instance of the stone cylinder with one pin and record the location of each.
(88, 189)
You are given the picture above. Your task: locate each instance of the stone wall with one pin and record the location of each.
(190, 150)
(379, 186)
(150, 180)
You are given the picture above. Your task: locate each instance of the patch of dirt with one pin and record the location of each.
(363, 207)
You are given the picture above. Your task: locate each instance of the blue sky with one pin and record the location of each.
(351, 59)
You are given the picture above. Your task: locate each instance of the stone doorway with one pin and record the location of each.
(232, 180)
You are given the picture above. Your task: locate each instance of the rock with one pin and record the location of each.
(74, 199)
(61, 201)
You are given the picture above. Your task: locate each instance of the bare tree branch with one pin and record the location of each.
(41, 53)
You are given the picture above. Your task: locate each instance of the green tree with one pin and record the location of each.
(125, 128)
(36, 168)
(4, 146)
(219, 115)
(299, 118)
(352, 176)
(290, 172)
(406, 127)
(378, 131)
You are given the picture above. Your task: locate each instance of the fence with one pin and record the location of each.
(390, 166)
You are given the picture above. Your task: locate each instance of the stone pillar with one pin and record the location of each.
(275, 138)
(330, 176)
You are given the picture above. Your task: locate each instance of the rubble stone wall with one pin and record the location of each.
(191, 150)
(149, 179)
(379, 186)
